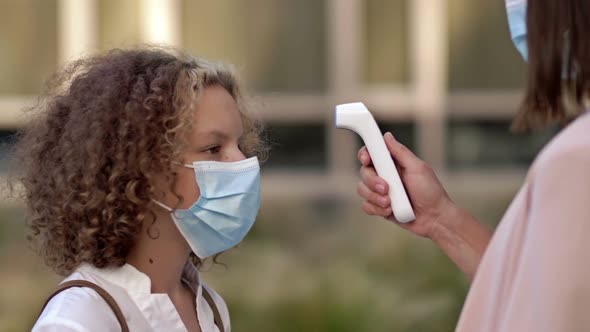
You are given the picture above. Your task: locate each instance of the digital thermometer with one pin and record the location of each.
(356, 117)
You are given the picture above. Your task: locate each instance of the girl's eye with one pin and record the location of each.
(213, 150)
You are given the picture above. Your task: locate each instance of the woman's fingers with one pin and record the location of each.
(372, 197)
(403, 156)
(364, 156)
(373, 181)
(374, 210)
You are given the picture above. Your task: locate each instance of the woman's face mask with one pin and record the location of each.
(517, 23)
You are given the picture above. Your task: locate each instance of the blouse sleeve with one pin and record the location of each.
(551, 289)
(76, 310)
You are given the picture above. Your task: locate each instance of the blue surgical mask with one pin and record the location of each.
(226, 209)
(517, 24)
(517, 12)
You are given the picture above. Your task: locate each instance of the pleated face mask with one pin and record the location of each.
(517, 23)
(226, 209)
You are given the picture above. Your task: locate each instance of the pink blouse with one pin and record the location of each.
(535, 274)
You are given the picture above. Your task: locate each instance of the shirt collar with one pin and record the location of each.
(133, 280)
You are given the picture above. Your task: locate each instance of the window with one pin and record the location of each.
(481, 53)
(297, 146)
(7, 139)
(490, 144)
(28, 44)
(277, 45)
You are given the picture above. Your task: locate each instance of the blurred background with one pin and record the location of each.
(442, 75)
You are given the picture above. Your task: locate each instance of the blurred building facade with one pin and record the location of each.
(442, 75)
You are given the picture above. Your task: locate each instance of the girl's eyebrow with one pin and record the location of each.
(217, 134)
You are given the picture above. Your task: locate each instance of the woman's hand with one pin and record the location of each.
(456, 232)
(429, 199)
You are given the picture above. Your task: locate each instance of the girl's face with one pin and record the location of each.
(216, 135)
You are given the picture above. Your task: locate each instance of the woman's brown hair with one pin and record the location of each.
(106, 126)
(559, 62)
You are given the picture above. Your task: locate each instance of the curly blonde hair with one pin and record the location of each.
(105, 127)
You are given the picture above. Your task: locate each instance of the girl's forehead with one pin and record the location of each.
(216, 113)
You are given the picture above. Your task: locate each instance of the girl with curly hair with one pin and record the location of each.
(137, 166)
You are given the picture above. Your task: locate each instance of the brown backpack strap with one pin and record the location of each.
(216, 315)
(103, 293)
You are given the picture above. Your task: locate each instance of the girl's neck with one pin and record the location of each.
(161, 258)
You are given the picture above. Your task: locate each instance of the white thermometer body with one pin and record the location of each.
(356, 117)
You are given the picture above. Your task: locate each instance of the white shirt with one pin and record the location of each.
(81, 309)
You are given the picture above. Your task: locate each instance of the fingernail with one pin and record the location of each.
(389, 136)
(383, 201)
(381, 188)
(364, 159)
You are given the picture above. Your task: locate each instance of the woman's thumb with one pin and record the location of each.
(402, 155)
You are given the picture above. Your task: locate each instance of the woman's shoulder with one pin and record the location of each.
(569, 151)
(76, 309)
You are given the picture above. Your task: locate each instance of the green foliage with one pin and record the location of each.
(306, 266)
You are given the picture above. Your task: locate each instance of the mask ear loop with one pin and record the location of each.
(162, 205)
(167, 208)
(185, 165)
